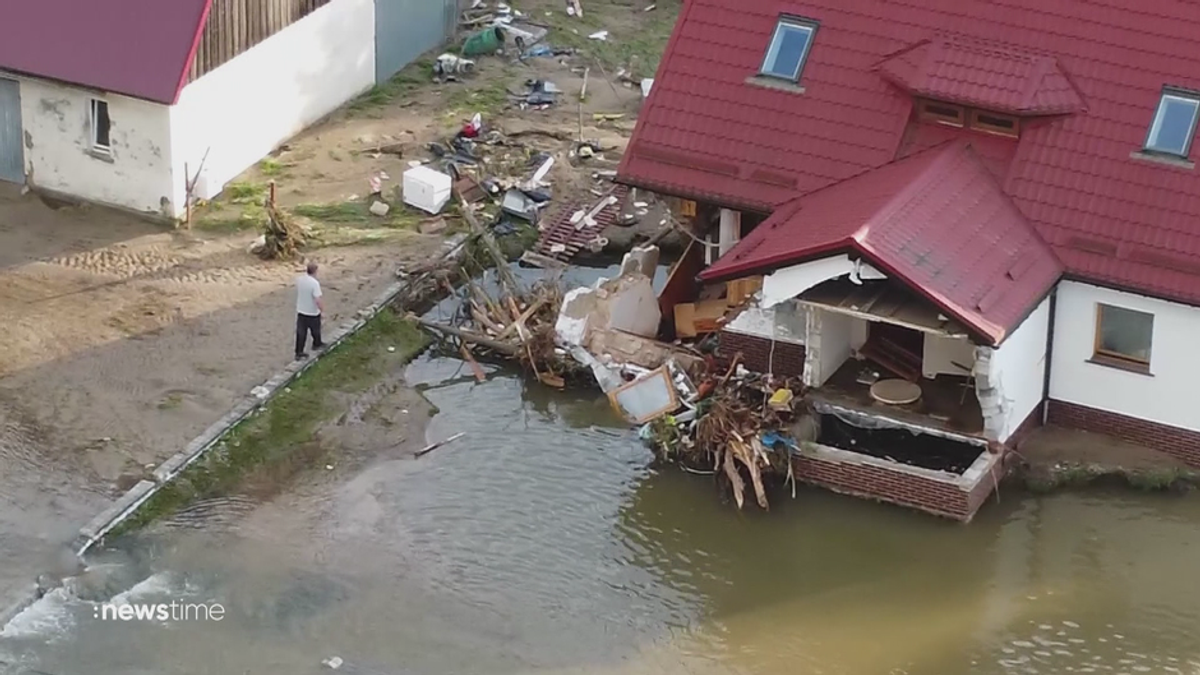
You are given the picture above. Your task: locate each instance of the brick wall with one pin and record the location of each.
(894, 487)
(756, 354)
(1183, 444)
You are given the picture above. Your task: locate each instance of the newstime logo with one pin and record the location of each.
(163, 611)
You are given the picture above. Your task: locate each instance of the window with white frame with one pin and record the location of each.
(101, 127)
(1174, 123)
(789, 49)
(1123, 337)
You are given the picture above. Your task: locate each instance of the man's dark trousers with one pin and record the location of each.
(306, 324)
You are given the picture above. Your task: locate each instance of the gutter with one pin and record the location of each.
(1049, 355)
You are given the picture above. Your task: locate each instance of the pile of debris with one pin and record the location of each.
(732, 421)
(514, 323)
(282, 237)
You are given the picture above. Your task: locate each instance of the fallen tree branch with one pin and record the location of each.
(434, 446)
(480, 376)
(469, 336)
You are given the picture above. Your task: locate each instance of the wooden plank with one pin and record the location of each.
(685, 318)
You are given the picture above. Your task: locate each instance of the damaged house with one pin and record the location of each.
(955, 222)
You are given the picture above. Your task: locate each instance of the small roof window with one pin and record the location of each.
(1174, 123)
(789, 48)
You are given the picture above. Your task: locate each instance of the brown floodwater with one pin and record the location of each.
(544, 542)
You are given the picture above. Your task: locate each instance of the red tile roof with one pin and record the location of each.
(984, 75)
(937, 220)
(709, 132)
(140, 48)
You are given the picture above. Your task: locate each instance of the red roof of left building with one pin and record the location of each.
(139, 48)
(936, 220)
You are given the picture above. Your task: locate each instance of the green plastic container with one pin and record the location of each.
(487, 41)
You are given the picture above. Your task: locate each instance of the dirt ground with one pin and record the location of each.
(123, 340)
(1051, 446)
(326, 170)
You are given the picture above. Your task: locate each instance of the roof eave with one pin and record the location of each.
(191, 57)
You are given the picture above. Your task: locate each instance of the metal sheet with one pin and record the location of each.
(12, 156)
(405, 29)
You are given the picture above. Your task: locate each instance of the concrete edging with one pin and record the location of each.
(127, 504)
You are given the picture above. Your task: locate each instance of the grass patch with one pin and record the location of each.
(270, 167)
(357, 215)
(219, 221)
(1154, 480)
(646, 41)
(414, 76)
(288, 424)
(488, 98)
(245, 193)
(1068, 476)
(340, 213)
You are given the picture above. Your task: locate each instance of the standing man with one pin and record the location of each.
(308, 310)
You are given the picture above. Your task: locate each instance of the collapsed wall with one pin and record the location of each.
(941, 492)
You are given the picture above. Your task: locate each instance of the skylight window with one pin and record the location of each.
(789, 49)
(1174, 123)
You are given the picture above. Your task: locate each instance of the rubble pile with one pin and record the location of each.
(515, 323)
(742, 425)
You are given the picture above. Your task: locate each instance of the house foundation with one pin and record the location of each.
(848, 460)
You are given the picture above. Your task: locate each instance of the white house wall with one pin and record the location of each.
(242, 110)
(1168, 395)
(58, 142)
(1010, 379)
(829, 345)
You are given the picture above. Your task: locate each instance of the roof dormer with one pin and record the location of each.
(987, 76)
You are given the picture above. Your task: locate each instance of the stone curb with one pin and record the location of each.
(129, 502)
(28, 596)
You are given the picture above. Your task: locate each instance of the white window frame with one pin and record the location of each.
(94, 128)
(788, 23)
(1173, 95)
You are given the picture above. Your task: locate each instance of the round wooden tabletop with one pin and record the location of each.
(895, 392)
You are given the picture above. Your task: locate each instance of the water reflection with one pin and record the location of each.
(544, 542)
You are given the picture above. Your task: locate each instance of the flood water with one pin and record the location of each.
(544, 542)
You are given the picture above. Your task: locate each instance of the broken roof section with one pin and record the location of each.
(140, 48)
(983, 74)
(937, 221)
